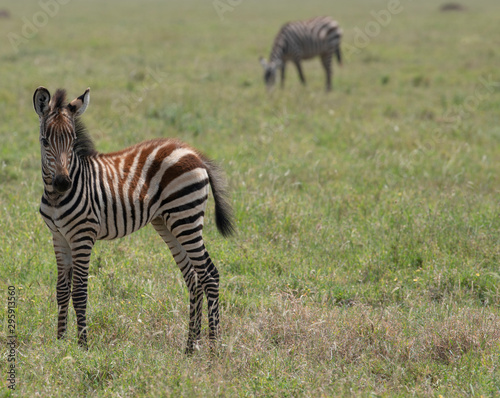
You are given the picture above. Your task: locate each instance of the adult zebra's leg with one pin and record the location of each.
(190, 277)
(299, 69)
(81, 252)
(326, 60)
(283, 74)
(64, 273)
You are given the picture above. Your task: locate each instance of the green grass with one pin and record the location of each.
(368, 247)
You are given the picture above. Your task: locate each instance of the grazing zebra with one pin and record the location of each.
(303, 40)
(90, 196)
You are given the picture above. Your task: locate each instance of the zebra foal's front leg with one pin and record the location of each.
(64, 274)
(81, 252)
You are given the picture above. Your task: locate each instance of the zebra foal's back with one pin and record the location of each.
(138, 181)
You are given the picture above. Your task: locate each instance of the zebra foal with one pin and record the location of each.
(89, 196)
(301, 40)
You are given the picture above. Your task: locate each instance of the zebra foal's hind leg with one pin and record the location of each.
(194, 287)
(184, 237)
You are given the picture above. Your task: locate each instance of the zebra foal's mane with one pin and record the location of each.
(84, 145)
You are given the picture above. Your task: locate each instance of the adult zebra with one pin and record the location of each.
(90, 196)
(303, 40)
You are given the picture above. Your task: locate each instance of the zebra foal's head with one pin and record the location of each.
(58, 135)
(269, 71)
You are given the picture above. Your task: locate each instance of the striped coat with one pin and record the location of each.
(300, 40)
(90, 196)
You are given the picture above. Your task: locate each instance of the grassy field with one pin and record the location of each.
(367, 256)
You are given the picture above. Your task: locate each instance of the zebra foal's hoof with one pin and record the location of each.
(191, 347)
(83, 344)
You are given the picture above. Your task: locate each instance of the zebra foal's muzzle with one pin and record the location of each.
(61, 183)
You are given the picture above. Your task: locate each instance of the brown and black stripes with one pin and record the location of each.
(90, 196)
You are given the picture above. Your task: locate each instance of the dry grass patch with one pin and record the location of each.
(352, 334)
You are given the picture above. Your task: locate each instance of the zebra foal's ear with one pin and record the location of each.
(263, 62)
(41, 99)
(79, 105)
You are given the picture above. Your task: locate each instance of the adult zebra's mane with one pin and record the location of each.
(84, 146)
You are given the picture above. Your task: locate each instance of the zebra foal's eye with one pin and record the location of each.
(45, 143)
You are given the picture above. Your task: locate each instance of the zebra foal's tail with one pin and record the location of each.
(223, 211)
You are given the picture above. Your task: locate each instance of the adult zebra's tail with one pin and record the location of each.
(223, 211)
(338, 54)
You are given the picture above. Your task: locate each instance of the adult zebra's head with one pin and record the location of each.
(59, 128)
(269, 71)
